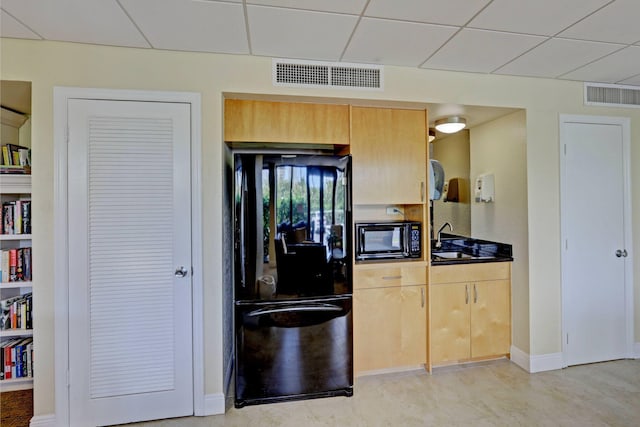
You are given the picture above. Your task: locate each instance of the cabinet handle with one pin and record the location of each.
(422, 191)
(466, 294)
(391, 277)
(422, 296)
(475, 294)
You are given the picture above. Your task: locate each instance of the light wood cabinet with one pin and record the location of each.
(470, 312)
(285, 122)
(389, 326)
(389, 149)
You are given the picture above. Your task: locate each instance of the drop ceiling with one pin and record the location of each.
(582, 40)
(585, 40)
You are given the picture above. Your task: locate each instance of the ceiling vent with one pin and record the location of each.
(293, 73)
(611, 95)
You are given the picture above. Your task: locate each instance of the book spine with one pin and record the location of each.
(29, 316)
(17, 217)
(27, 264)
(13, 361)
(20, 265)
(7, 218)
(2, 361)
(13, 264)
(26, 216)
(5, 266)
(6, 160)
(7, 361)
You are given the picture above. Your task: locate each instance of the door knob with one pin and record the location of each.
(624, 253)
(621, 252)
(181, 272)
(618, 253)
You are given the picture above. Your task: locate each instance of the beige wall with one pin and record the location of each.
(452, 151)
(50, 64)
(500, 147)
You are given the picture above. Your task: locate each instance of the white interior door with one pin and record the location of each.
(595, 309)
(130, 323)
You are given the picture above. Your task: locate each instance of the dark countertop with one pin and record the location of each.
(467, 250)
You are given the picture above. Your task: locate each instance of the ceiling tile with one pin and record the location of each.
(614, 68)
(299, 34)
(449, 12)
(556, 57)
(383, 41)
(84, 21)
(635, 81)
(203, 26)
(542, 17)
(10, 27)
(353, 7)
(481, 51)
(616, 23)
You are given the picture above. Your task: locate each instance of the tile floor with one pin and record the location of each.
(490, 394)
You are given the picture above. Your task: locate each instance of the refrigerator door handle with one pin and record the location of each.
(294, 308)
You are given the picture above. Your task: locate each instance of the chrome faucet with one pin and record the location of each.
(439, 241)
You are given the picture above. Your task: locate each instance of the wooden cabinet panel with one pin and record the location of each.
(470, 319)
(367, 276)
(285, 122)
(450, 322)
(413, 326)
(470, 272)
(389, 149)
(490, 319)
(376, 326)
(389, 317)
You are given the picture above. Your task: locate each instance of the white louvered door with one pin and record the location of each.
(130, 330)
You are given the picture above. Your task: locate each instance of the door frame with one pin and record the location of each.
(61, 95)
(625, 124)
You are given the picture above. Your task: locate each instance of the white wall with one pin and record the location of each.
(49, 64)
(500, 147)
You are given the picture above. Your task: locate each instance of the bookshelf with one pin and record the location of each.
(15, 331)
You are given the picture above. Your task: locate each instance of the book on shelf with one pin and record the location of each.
(16, 217)
(15, 265)
(15, 159)
(16, 155)
(16, 358)
(16, 312)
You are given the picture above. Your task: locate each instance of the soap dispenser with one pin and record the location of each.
(485, 188)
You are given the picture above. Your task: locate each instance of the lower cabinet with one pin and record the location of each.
(389, 317)
(470, 319)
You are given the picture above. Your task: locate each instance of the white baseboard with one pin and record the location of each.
(520, 358)
(214, 404)
(48, 420)
(545, 362)
(536, 363)
(636, 351)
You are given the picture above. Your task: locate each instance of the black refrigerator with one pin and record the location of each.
(292, 277)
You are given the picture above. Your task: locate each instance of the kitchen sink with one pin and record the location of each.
(452, 255)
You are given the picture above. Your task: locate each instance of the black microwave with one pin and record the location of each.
(388, 240)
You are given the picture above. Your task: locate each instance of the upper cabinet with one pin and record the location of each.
(389, 148)
(285, 122)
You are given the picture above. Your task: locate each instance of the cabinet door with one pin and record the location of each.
(389, 155)
(389, 327)
(376, 328)
(490, 318)
(413, 324)
(450, 322)
(287, 122)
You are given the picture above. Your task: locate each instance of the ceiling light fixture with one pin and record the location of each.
(451, 124)
(432, 134)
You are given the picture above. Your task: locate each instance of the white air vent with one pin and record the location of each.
(611, 95)
(295, 73)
